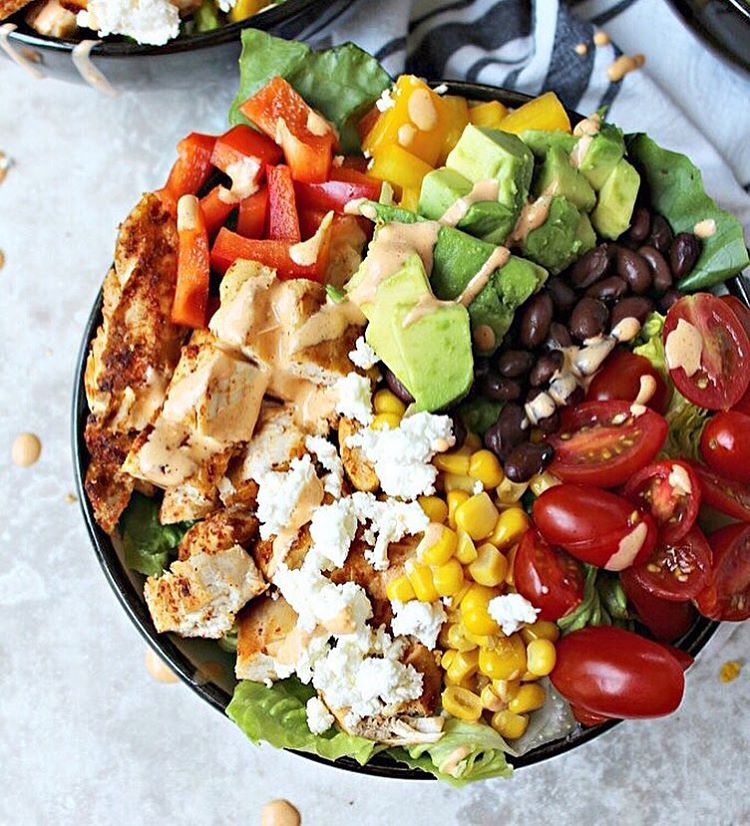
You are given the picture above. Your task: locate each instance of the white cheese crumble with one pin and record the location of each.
(385, 101)
(422, 620)
(154, 22)
(354, 398)
(401, 456)
(279, 493)
(319, 718)
(390, 521)
(328, 456)
(363, 356)
(332, 530)
(511, 612)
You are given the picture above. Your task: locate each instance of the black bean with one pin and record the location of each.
(639, 225)
(683, 253)
(590, 267)
(500, 389)
(588, 319)
(669, 298)
(661, 234)
(459, 430)
(535, 320)
(563, 297)
(576, 397)
(551, 424)
(527, 459)
(545, 368)
(395, 386)
(608, 289)
(659, 267)
(508, 431)
(482, 368)
(632, 307)
(514, 363)
(634, 270)
(559, 336)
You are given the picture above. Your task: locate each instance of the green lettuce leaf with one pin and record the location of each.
(483, 751)
(604, 603)
(686, 420)
(676, 188)
(277, 716)
(341, 83)
(147, 543)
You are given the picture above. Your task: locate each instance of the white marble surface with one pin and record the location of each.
(86, 737)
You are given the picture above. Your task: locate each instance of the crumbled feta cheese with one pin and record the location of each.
(441, 89)
(390, 521)
(332, 530)
(354, 398)
(328, 456)
(422, 620)
(279, 493)
(511, 612)
(319, 718)
(401, 456)
(478, 487)
(385, 101)
(363, 355)
(154, 22)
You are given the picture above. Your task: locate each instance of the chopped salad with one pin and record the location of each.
(419, 407)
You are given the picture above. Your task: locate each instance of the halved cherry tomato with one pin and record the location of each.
(702, 334)
(727, 595)
(251, 219)
(611, 672)
(726, 495)
(678, 571)
(743, 405)
(548, 577)
(242, 142)
(595, 526)
(725, 445)
(670, 491)
(666, 619)
(283, 221)
(605, 443)
(190, 171)
(739, 309)
(620, 379)
(215, 210)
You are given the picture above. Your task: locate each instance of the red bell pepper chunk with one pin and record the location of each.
(306, 139)
(356, 162)
(336, 194)
(251, 219)
(283, 223)
(215, 210)
(190, 171)
(193, 272)
(243, 142)
(310, 218)
(229, 247)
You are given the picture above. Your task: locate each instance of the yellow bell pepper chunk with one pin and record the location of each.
(456, 111)
(489, 114)
(409, 199)
(416, 122)
(244, 9)
(544, 112)
(400, 168)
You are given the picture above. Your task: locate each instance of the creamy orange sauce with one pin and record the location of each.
(14, 54)
(306, 253)
(158, 669)
(624, 65)
(329, 323)
(81, 56)
(498, 259)
(422, 111)
(406, 134)
(26, 449)
(279, 813)
(532, 216)
(481, 191)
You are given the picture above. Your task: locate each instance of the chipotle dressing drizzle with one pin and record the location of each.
(14, 54)
(481, 191)
(532, 216)
(81, 56)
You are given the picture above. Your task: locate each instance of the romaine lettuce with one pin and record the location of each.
(147, 543)
(604, 603)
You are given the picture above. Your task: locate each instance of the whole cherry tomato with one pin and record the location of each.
(725, 445)
(727, 595)
(665, 619)
(622, 378)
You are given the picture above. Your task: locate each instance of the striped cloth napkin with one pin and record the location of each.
(683, 96)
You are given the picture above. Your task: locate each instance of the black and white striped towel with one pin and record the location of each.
(684, 96)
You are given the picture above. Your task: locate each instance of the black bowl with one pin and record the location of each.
(722, 24)
(189, 658)
(179, 64)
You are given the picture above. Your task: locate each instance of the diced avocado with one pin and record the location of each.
(458, 257)
(557, 176)
(614, 208)
(488, 220)
(479, 414)
(431, 355)
(388, 213)
(585, 234)
(540, 141)
(485, 154)
(604, 153)
(555, 244)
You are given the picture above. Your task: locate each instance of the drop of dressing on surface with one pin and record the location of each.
(317, 124)
(481, 191)
(601, 38)
(81, 56)
(581, 49)
(422, 110)
(305, 253)
(684, 348)
(646, 390)
(406, 134)
(532, 216)
(5, 164)
(158, 669)
(705, 229)
(279, 813)
(624, 65)
(25, 450)
(585, 130)
(17, 56)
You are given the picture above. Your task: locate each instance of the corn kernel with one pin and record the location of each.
(443, 633)
(385, 401)
(466, 551)
(462, 703)
(477, 516)
(509, 577)
(530, 697)
(472, 441)
(448, 578)
(482, 640)
(457, 598)
(528, 677)
(385, 421)
(454, 481)
(458, 640)
(455, 499)
(490, 700)
(540, 630)
(434, 507)
(484, 466)
(463, 665)
(540, 482)
(490, 566)
(420, 577)
(455, 462)
(506, 690)
(400, 589)
(436, 551)
(511, 525)
(541, 657)
(508, 493)
(506, 661)
(509, 725)
(474, 613)
(447, 658)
